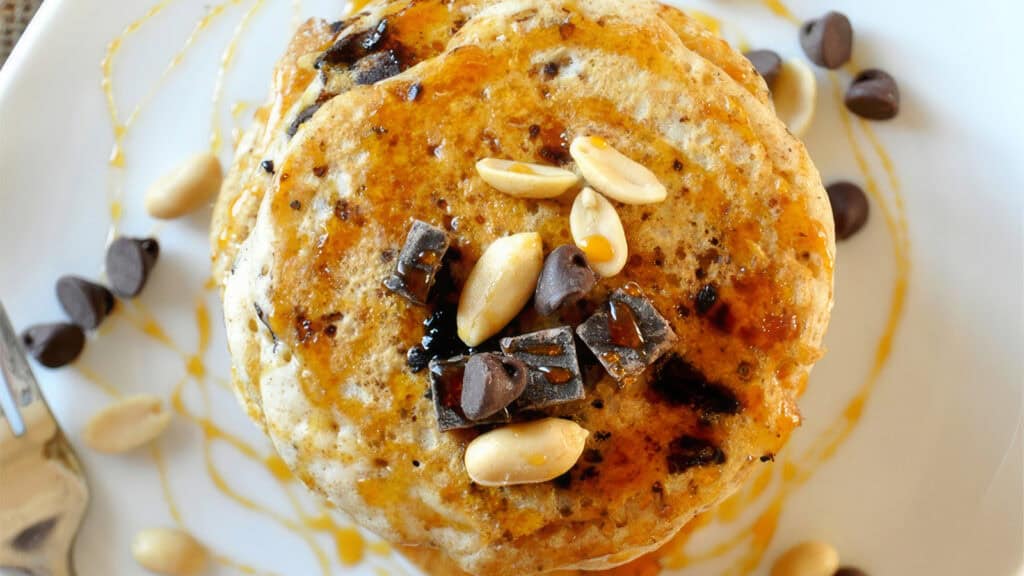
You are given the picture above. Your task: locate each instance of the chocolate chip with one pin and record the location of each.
(551, 69)
(54, 345)
(874, 95)
(849, 208)
(849, 571)
(295, 205)
(686, 452)
(352, 47)
(554, 375)
(301, 118)
(129, 262)
(446, 378)
(86, 303)
(828, 41)
(705, 299)
(679, 382)
(417, 358)
(628, 337)
(767, 63)
(490, 383)
(418, 262)
(268, 166)
(376, 67)
(565, 279)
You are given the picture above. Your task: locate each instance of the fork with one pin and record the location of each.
(43, 492)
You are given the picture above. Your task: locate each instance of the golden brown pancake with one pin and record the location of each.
(319, 345)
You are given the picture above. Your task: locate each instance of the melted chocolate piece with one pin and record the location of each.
(686, 452)
(554, 376)
(301, 118)
(376, 67)
(678, 382)
(420, 259)
(628, 337)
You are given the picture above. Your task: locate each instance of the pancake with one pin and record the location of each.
(319, 346)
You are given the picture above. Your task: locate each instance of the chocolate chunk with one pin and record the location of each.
(767, 63)
(54, 345)
(418, 263)
(129, 262)
(554, 376)
(564, 280)
(301, 118)
(446, 391)
(850, 571)
(86, 303)
(628, 337)
(490, 383)
(874, 95)
(849, 208)
(268, 166)
(686, 452)
(828, 41)
(376, 67)
(678, 382)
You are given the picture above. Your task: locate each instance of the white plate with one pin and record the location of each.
(928, 482)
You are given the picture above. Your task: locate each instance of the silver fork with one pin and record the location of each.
(43, 492)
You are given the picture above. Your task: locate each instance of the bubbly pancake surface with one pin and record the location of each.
(320, 344)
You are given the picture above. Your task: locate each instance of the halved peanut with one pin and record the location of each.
(525, 180)
(169, 551)
(186, 188)
(811, 558)
(525, 453)
(126, 424)
(794, 94)
(499, 285)
(597, 230)
(614, 174)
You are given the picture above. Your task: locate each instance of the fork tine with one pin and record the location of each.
(20, 387)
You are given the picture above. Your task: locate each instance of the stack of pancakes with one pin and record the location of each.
(378, 120)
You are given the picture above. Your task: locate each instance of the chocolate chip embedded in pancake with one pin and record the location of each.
(745, 214)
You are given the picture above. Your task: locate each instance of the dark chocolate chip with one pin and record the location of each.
(565, 279)
(849, 208)
(295, 205)
(828, 41)
(679, 382)
(420, 259)
(352, 47)
(849, 571)
(268, 166)
(686, 452)
(376, 67)
(554, 375)
(767, 63)
(129, 262)
(86, 303)
(551, 69)
(300, 118)
(414, 92)
(490, 383)
(874, 95)
(446, 393)
(705, 299)
(628, 337)
(417, 358)
(769, 457)
(54, 345)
